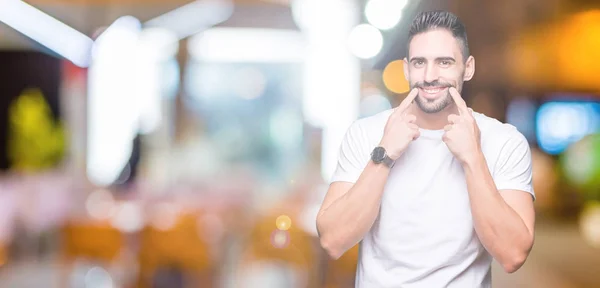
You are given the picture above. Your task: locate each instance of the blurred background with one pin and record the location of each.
(149, 143)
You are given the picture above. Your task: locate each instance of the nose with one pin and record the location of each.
(431, 73)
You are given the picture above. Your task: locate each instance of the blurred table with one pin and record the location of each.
(560, 259)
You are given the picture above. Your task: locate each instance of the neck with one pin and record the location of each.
(433, 121)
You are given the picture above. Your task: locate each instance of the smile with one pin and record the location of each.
(433, 90)
(432, 93)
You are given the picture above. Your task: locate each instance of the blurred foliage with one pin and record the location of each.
(36, 141)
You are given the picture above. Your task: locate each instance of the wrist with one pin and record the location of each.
(380, 156)
(473, 160)
(389, 152)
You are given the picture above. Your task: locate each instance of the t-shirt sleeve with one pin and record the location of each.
(353, 155)
(514, 168)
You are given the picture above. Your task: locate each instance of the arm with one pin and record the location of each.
(502, 208)
(349, 210)
(501, 204)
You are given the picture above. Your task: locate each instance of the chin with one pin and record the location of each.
(432, 106)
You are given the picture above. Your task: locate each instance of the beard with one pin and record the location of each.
(435, 105)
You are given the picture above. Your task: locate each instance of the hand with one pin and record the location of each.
(462, 134)
(400, 128)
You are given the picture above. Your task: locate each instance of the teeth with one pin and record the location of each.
(432, 91)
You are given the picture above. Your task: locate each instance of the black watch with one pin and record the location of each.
(379, 155)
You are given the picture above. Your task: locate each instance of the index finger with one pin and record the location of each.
(408, 100)
(460, 102)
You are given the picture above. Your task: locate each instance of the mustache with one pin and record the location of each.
(436, 83)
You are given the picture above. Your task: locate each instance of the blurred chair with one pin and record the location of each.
(341, 273)
(174, 253)
(270, 251)
(98, 241)
(93, 241)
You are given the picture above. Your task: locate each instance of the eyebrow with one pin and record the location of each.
(417, 59)
(436, 59)
(445, 59)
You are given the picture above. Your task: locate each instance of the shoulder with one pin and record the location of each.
(371, 127)
(498, 135)
(376, 121)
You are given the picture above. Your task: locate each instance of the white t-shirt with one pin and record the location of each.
(424, 235)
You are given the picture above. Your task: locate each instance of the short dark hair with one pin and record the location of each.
(430, 20)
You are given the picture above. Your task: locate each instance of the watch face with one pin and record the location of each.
(378, 154)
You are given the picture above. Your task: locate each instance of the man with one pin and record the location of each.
(432, 190)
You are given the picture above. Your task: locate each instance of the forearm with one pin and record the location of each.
(501, 230)
(345, 222)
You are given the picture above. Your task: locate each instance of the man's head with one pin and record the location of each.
(438, 58)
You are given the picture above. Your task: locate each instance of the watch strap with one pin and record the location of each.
(389, 162)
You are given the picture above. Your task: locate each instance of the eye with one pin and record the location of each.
(419, 63)
(445, 63)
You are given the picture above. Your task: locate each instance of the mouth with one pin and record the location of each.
(432, 93)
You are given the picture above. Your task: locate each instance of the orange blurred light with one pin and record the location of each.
(558, 55)
(579, 50)
(393, 77)
(283, 222)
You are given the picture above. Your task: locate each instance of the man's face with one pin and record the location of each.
(435, 63)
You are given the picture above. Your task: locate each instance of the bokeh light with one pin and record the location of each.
(100, 205)
(393, 77)
(589, 224)
(561, 55)
(97, 277)
(581, 164)
(384, 14)
(283, 222)
(128, 217)
(579, 50)
(280, 239)
(560, 124)
(365, 41)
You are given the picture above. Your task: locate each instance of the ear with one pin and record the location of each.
(405, 66)
(469, 68)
